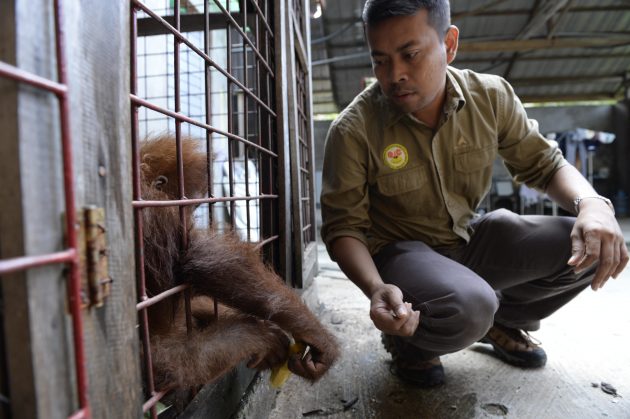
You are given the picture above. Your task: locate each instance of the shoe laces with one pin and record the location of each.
(521, 336)
(530, 339)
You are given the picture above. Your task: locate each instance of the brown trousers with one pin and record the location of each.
(513, 271)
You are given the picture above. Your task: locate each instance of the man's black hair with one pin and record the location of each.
(439, 12)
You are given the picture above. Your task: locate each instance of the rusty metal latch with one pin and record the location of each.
(93, 239)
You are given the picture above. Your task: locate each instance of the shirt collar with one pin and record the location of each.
(454, 101)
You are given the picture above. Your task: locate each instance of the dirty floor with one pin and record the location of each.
(587, 342)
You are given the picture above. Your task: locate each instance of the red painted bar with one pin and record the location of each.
(147, 302)
(8, 266)
(16, 74)
(74, 284)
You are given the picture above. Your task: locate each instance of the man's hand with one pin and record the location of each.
(597, 237)
(391, 314)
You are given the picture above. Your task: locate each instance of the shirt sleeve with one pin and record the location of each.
(528, 156)
(344, 198)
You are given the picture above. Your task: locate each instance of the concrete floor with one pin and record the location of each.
(587, 342)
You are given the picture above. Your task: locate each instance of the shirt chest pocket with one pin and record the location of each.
(402, 193)
(474, 160)
(473, 174)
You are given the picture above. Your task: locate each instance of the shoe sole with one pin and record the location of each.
(411, 377)
(512, 359)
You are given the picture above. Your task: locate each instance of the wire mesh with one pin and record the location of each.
(305, 155)
(205, 70)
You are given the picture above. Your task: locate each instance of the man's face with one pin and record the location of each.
(409, 61)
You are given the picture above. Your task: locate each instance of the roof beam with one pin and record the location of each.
(583, 97)
(526, 32)
(540, 17)
(553, 27)
(543, 81)
(473, 60)
(483, 8)
(584, 9)
(510, 12)
(471, 45)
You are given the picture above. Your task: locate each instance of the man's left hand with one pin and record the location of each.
(597, 237)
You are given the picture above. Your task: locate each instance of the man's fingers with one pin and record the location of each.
(412, 324)
(592, 249)
(577, 249)
(606, 257)
(623, 259)
(616, 258)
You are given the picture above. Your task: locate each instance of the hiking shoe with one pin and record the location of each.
(515, 347)
(420, 373)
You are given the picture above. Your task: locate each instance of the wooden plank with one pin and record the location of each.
(220, 399)
(36, 324)
(309, 264)
(284, 138)
(297, 244)
(310, 255)
(10, 190)
(101, 133)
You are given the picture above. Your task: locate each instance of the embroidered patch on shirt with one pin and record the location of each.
(395, 156)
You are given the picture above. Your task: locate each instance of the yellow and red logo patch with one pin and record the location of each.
(395, 156)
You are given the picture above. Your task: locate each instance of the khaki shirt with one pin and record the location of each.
(388, 177)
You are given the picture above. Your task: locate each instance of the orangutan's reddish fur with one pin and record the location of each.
(261, 308)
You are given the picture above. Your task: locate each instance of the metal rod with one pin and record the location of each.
(8, 266)
(138, 101)
(197, 201)
(80, 414)
(264, 19)
(243, 34)
(266, 241)
(14, 73)
(246, 120)
(207, 93)
(202, 55)
(147, 302)
(156, 397)
(137, 192)
(230, 116)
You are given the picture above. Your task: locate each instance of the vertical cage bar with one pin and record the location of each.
(246, 120)
(230, 105)
(139, 243)
(71, 221)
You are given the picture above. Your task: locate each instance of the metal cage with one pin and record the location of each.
(206, 70)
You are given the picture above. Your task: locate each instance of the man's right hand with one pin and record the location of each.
(390, 314)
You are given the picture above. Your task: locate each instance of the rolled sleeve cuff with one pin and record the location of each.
(330, 237)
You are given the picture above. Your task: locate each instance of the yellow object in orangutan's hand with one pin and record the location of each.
(281, 374)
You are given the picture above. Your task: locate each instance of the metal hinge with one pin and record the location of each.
(96, 282)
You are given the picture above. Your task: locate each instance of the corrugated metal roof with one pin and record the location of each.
(593, 61)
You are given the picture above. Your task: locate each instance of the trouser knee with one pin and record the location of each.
(475, 317)
(456, 321)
